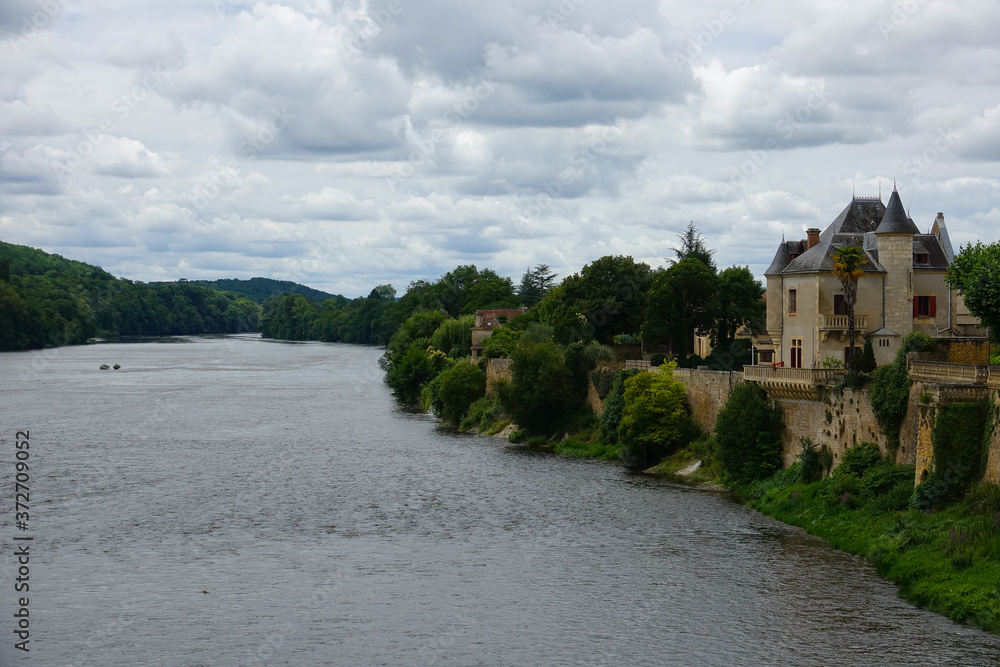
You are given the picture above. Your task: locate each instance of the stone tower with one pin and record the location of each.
(895, 253)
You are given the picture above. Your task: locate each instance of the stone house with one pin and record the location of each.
(486, 322)
(902, 290)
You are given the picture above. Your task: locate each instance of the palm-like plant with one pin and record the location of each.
(848, 263)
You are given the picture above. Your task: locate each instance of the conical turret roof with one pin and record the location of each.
(895, 220)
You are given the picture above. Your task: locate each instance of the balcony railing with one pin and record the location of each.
(801, 383)
(809, 376)
(839, 322)
(946, 373)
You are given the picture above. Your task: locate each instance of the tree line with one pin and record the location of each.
(48, 301)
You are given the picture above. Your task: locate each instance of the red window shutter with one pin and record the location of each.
(932, 311)
(916, 307)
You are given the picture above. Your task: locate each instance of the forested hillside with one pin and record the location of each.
(375, 318)
(47, 301)
(259, 290)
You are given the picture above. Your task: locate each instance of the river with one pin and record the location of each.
(235, 501)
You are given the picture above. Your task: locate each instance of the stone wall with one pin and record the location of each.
(839, 421)
(993, 459)
(496, 369)
(707, 393)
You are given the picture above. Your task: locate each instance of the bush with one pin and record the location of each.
(859, 458)
(541, 395)
(603, 379)
(748, 435)
(483, 413)
(657, 360)
(985, 497)
(613, 406)
(455, 390)
(883, 477)
(655, 420)
(811, 468)
(932, 494)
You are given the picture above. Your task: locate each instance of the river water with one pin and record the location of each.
(234, 501)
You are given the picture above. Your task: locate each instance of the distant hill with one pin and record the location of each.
(47, 300)
(259, 289)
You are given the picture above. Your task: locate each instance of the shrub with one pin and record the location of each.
(655, 420)
(657, 360)
(883, 477)
(859, 458)
(613, 406)
(932, 494)
(985, 497)
(483, 413)
(455, 390)
(541, 395)
(603, 379)
(748, 435)
(811, 468)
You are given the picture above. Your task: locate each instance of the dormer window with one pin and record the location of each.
(921, 258)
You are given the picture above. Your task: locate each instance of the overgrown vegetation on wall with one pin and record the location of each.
(961, 440)
(890, 387)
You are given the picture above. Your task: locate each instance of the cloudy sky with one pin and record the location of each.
(349, 144)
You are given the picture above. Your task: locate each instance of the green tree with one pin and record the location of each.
(501, 343)
(738, 304)
(682, 303)
(748, 435)
(419, 364)
(655, 419)
(975, 272)
(614, 404)
(848, 265)
(540, 396)
(693, 247)
(607, 297)
(456, 389)
(535, 284)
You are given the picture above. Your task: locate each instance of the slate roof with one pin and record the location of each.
(859, 224)
(931, 246)
(895, 220)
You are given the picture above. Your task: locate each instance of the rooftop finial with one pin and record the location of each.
(880, 189)
(894, 185)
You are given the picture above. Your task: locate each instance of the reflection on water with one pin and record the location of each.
(233, 501)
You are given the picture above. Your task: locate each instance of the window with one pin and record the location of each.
(839, 305)
(796, 353)
(921, 258)
(792, 305)
(765, 356)
(925, 306)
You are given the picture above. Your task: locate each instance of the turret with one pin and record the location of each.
(895, 253)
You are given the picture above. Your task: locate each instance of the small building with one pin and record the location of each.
(486, 322)
(903, 288)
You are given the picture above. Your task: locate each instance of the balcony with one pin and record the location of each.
(940, 372)
(837, 325)
(798, 383)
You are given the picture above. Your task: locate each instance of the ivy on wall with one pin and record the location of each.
(890, 387)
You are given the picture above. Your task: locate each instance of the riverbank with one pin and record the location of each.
(946, 561)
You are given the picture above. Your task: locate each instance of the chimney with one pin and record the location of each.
(813, 235)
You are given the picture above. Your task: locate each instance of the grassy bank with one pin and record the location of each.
(947, 561)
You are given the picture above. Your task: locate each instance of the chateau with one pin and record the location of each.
(903, 288)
